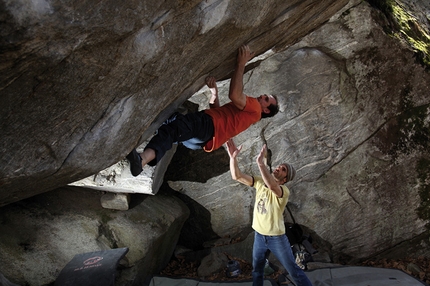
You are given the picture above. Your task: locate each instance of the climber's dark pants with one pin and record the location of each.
(193, 130)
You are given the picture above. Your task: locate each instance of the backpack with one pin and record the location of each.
(300, 244)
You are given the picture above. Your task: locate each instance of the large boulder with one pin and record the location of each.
(354, 121)
(40, 235)
(83, 83)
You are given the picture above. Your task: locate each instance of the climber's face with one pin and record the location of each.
(265, 101)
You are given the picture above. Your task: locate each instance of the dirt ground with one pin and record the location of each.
(181, 268)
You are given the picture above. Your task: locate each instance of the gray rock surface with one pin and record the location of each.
(83, 83)
(354, 122)
(38, 237)
(81, 86)
(212, 263)
(114, 201)
(118, 178)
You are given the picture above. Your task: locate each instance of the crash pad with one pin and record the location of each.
(92, 268)
(361, 276)
(330, 276)
(168, 281)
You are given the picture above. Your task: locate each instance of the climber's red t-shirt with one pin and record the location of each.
(229, 121)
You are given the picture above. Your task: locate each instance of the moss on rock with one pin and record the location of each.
(406, 27)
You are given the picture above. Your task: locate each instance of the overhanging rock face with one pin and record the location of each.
(354, 121)
(83, 84)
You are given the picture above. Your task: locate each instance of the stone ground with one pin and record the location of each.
(417, 267)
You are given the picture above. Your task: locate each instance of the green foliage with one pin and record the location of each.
(413, 33)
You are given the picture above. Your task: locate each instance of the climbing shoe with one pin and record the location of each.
(135, 162)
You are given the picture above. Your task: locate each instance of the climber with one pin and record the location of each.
(211, 128)
(271, 197)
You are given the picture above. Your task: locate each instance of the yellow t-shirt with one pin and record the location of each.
(268, 209)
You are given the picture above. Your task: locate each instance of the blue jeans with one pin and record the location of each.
(281, 248)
